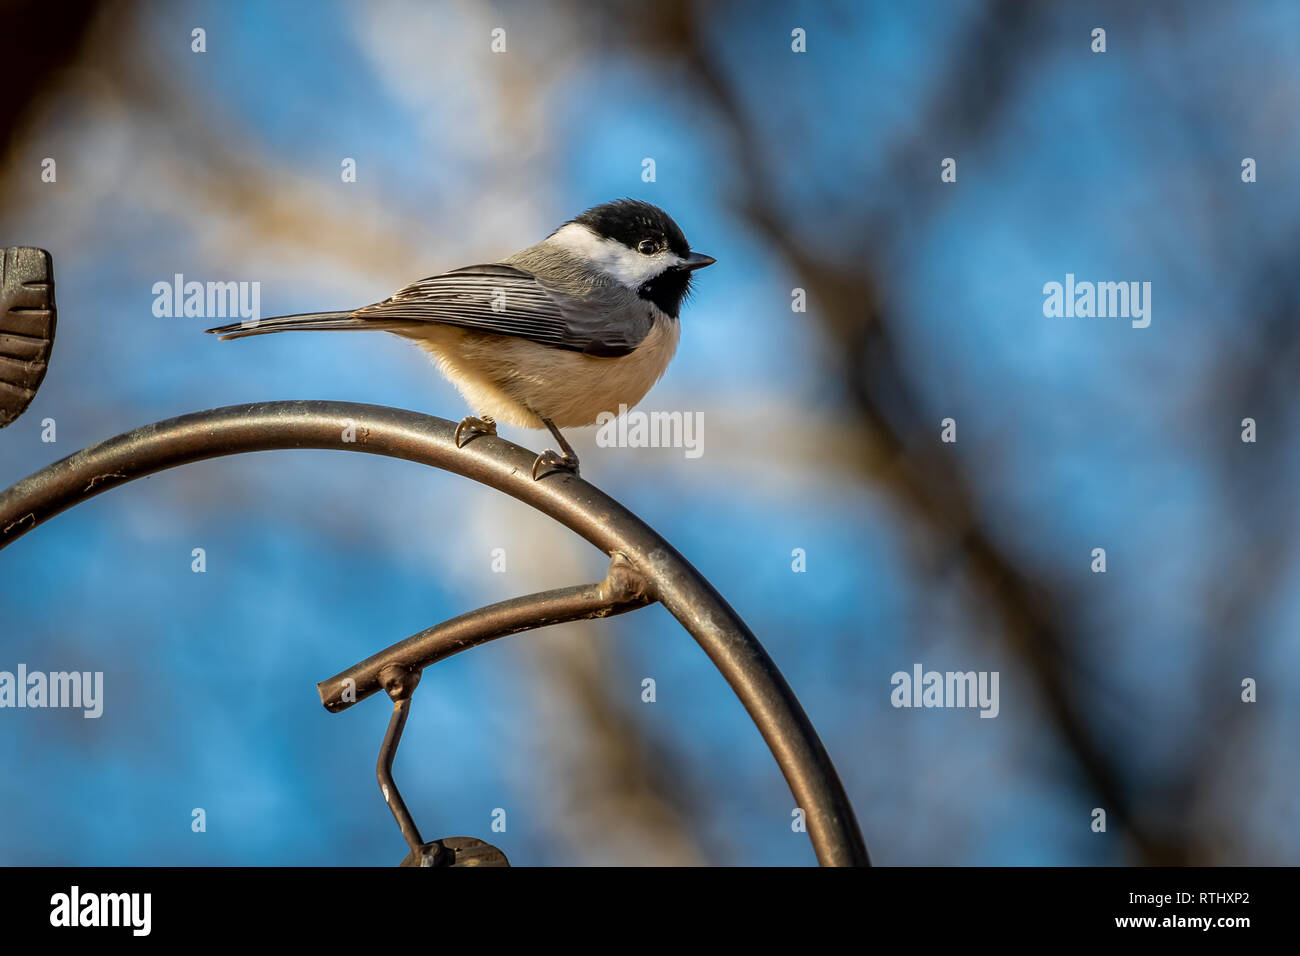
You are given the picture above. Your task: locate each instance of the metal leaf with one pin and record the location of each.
(27, 317)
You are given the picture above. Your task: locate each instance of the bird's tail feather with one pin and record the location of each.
(307, 322)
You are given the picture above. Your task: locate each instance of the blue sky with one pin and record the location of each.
(225, 165)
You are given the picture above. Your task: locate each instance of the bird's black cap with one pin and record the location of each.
(629, 221)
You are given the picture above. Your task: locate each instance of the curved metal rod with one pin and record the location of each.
(620, 592)
(505, 466)
(384, 772)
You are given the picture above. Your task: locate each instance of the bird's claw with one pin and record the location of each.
(551, 460)
(472, 427)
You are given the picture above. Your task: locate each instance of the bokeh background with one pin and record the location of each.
(816, 170)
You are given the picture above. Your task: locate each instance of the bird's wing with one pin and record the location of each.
(504, 300)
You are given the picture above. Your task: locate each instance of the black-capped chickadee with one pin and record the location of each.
(579, 324)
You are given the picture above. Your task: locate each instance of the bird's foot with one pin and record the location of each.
(471, 427)
(551, 460)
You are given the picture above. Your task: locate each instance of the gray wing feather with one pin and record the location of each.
(604, 321)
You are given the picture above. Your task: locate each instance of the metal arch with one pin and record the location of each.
(507, 467)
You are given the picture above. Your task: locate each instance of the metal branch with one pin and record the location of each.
(384, 771)
(507, 467)
(622, 590)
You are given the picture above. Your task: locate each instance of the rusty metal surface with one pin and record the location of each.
(500, 464)
(27, 321)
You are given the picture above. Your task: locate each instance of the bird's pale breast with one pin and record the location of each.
(515, 381)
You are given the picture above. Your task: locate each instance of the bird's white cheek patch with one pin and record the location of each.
(626, 265)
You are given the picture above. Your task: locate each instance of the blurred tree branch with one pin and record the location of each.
(608, 789)
(899, 445)
(38, 40)
(888, 441)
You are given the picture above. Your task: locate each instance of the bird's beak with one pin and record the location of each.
(696, 260)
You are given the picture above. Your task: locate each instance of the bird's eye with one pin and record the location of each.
(647, 247)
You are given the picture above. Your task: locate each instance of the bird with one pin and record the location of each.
(581, 323)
